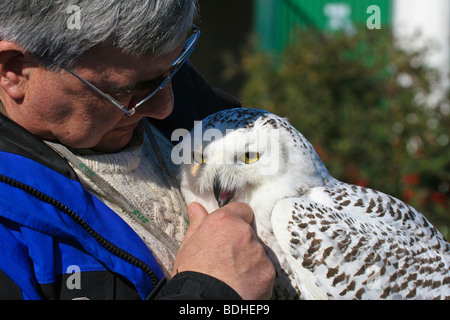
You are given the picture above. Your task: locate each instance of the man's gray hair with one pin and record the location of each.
(136, 27)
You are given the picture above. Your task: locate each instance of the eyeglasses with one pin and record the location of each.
(174, 67)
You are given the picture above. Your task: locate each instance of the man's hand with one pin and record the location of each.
(223, 245)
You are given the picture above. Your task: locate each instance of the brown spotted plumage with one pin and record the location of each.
(327, 239)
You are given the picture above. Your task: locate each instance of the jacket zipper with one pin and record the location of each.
(122, 254)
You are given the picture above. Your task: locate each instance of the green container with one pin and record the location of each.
(275, 20)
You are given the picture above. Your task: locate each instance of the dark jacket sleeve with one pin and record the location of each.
(190, 285)
(8, 288)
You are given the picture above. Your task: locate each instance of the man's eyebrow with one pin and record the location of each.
(140, 85)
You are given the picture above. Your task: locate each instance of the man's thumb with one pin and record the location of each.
(196, 215)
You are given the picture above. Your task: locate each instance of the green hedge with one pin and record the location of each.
(360, 100)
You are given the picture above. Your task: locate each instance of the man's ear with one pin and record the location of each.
(14, 63)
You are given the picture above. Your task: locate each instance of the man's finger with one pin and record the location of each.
(197, 213)
(241, 210)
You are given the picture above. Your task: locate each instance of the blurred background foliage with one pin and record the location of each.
(363, 103)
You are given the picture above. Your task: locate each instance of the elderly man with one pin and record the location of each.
(88, 204)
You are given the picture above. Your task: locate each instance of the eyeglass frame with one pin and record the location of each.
(174, 67)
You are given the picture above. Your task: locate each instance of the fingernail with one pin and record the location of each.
(191, 211)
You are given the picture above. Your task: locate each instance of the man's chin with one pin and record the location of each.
(113, 143)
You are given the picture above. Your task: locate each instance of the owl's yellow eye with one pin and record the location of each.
(250, 157)
(198, 157)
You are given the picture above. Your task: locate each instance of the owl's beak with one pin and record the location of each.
(222, 196)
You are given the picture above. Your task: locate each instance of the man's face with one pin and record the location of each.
(58, 106)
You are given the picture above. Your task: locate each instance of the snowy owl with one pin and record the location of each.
(327, 239)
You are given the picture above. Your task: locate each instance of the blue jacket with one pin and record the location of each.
(58, 241)
(51, 226)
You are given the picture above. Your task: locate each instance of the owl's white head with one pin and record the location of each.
(247, 155)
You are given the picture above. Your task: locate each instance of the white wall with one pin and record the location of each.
(432, 19)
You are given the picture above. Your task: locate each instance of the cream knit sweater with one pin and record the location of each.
(137, 174)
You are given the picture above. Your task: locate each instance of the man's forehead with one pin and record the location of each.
(112, 65)
(105, 56)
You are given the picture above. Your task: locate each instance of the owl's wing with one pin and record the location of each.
(349, 242)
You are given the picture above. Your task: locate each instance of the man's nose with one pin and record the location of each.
(159, 106)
